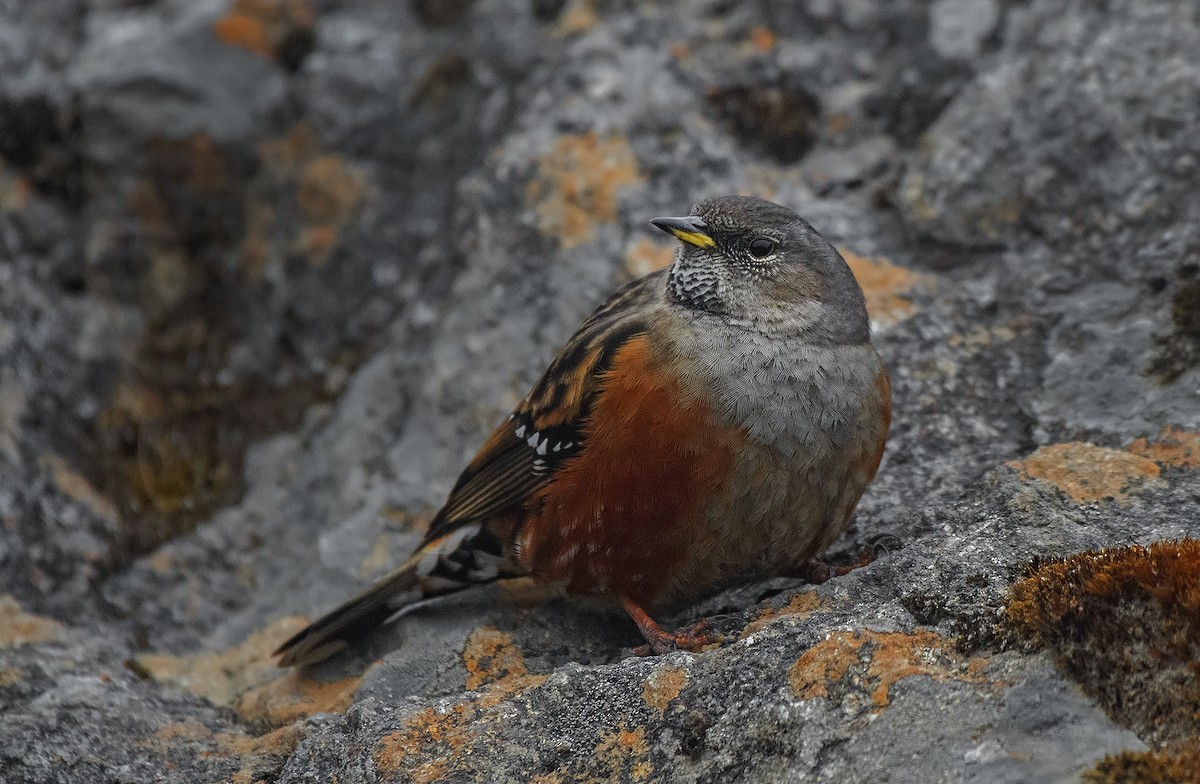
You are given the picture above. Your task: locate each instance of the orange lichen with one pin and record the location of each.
(622, 749)
(662, 686)
(577, 185)
(884, 658)
(1125, 624)
(490, 656)
(241, 678)
(264, 26)
(19, 628)
(329, 192)
(1173, 448)
(431, 732)
(1087, 473)
(255, 756)
(579, 18)
(762, 39)
(644, 257)
(1168, 766)
(800, 607)
(885, 286)
(431, 744)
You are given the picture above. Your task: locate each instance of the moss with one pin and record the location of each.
(1179, 350)
(781, 118)
(1125, 624)
(1147, 767)
(168, 448)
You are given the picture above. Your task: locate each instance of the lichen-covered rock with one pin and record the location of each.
(270, 270)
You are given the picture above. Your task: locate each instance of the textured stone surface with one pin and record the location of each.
(270, 270)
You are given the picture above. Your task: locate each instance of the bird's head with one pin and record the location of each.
(760, 265)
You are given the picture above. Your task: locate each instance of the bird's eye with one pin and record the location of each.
(761, 247)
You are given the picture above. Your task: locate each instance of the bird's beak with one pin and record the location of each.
(690, 229)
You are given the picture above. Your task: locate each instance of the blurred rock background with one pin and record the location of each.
(270, 270)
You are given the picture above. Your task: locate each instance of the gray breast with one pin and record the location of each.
(796, 398)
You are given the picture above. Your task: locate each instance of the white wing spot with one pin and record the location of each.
(533, 439)
(521, 431)
(541, 450)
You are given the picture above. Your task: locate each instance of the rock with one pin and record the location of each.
(271, 270)
(957, 29)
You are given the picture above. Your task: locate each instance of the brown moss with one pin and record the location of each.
(20, 628)
(1125, 624)
(577, 184)
(1087, 473)
(1179, 349)
(1178, 766)
(780, 118)
(881, 660)
(168, 448)
(662, 686)
(885, 286)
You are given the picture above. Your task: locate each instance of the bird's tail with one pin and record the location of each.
(466, 556)
(336, 629)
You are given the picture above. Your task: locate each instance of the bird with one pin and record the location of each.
(717, 418)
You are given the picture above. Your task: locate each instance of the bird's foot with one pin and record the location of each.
(696, 638)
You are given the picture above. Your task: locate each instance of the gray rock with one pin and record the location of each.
(383, 218)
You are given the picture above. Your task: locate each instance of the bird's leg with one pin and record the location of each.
(659, 640)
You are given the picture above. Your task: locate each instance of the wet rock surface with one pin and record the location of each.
(270, 270)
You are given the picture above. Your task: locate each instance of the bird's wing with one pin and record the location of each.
(546, 430)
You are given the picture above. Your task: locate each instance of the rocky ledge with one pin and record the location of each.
(271, 269)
